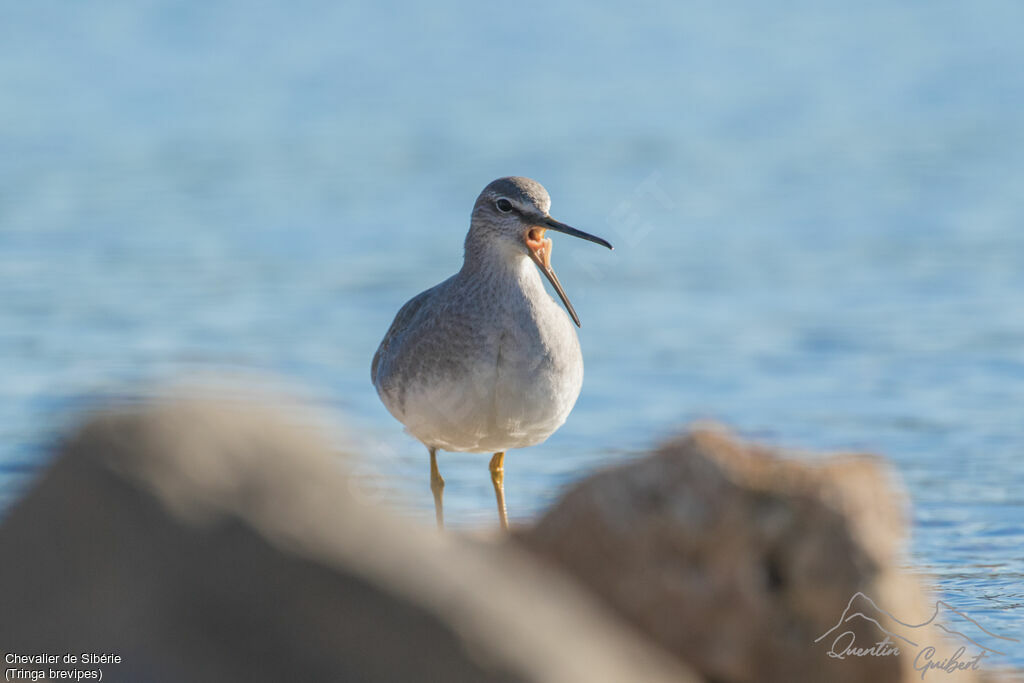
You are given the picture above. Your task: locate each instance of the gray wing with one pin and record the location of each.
(400, 325)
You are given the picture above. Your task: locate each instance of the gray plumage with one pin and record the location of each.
(487, 360)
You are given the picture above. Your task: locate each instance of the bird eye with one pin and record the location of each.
(503, 205)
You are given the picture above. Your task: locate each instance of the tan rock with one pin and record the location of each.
(203, 542)
(740, 561)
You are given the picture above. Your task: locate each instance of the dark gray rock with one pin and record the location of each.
(736, 559)
(207, 542)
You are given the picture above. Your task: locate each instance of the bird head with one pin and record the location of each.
(513, 212)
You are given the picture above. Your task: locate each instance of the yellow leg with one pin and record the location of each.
(437, 488)
(498, 479)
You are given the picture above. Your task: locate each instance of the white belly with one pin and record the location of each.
(512, 393)
(492, 409)
(483, 370)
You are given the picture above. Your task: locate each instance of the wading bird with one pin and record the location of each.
(487, 361)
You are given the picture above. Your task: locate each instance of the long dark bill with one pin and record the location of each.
(543, 260)
(551, 224)
(553, 279)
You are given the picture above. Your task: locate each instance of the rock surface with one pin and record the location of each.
(201, 542)
(740, 561)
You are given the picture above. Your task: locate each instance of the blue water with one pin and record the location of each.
(818, 210)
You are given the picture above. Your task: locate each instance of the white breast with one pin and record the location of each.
(484, 366)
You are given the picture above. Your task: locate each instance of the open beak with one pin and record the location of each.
(539, 248)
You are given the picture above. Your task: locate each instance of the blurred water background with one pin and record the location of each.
(818, 210)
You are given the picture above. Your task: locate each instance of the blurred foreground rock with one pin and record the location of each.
(738, 560)
(201, 542)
